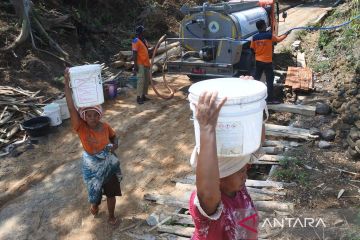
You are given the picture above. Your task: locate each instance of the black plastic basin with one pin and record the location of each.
(37, 127)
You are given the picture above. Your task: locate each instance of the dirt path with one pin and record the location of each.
(300, 16)
(42, 194)
(156, 140)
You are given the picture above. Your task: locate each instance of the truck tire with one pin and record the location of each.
(197, 78)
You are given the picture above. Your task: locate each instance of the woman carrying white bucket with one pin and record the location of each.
(221, 206)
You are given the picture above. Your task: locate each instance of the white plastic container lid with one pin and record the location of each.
(52, 107)
(85, 68)
(237, 90)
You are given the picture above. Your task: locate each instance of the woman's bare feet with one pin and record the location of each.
(113, 221)
(94, 209)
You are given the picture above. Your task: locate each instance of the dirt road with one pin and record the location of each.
(42, 194)
(302, 15)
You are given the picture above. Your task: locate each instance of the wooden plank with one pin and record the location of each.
(177, 230)
(169, 236)
(270, 158)
(291, 108)
(265, 191)
(257, 162)
(289, 132)
(191, 187)
(300, 59)
(259, 183)
(281, 144)
(249, 182)
(273, 150)
(166, 200)
(274, 205)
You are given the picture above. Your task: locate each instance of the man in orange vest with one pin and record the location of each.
(141, 64)
(262, 44)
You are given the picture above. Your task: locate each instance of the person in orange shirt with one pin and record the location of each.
(141, 64)
(262, 45)
(100, 166)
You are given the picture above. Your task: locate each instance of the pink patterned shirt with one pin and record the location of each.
(236, 218)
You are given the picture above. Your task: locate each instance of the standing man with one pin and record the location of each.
(141, 64)
(262, 44)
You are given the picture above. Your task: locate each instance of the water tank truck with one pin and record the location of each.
(215, 38)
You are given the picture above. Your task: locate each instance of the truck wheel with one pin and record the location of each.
(197, 78)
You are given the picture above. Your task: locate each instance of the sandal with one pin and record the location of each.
(94, 210)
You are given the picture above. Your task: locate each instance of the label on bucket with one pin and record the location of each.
(86, 92)
(229, 138)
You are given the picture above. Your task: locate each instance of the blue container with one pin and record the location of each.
(133, 81)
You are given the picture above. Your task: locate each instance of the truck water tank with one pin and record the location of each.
(246, 20)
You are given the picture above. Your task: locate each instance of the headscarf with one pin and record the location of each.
(82, 111)
(139, 29)
(227, 165)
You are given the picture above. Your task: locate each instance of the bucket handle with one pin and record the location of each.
(266, 113)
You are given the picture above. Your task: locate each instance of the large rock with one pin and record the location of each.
(357, 144)
(324, 144)
(314, 131)
(354, 134)
(322, 108)
(350, 142)
(328, 134)
(336, 103)
(357, 124)
(353, 153)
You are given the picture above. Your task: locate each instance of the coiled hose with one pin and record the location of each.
(172, 92)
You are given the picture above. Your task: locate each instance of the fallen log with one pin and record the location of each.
(118, 64)
(178, 230)
(289, 132)
(160, 59)
(273, 205)
(291, 108)
(167, 47)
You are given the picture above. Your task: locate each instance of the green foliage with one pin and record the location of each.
(291, 170)
(324, 39)
(322, 66)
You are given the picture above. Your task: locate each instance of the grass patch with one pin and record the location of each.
(291, 170)
(322, 66)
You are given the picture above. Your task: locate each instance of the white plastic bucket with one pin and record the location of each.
(86, 85)
(64, 111)
(52, 111)
(239, 127)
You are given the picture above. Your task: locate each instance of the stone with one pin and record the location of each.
(153, 219)
(357, 124)
(352, 92)
(341, 93)
(358, 96)
(350, 142)
(357, 149)
(353, 153)
(324, 144)
(354, 134)
(348, 118)
(322, 108)
(336, 104)
(314, 131)
(357, 143)
(328, 134)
